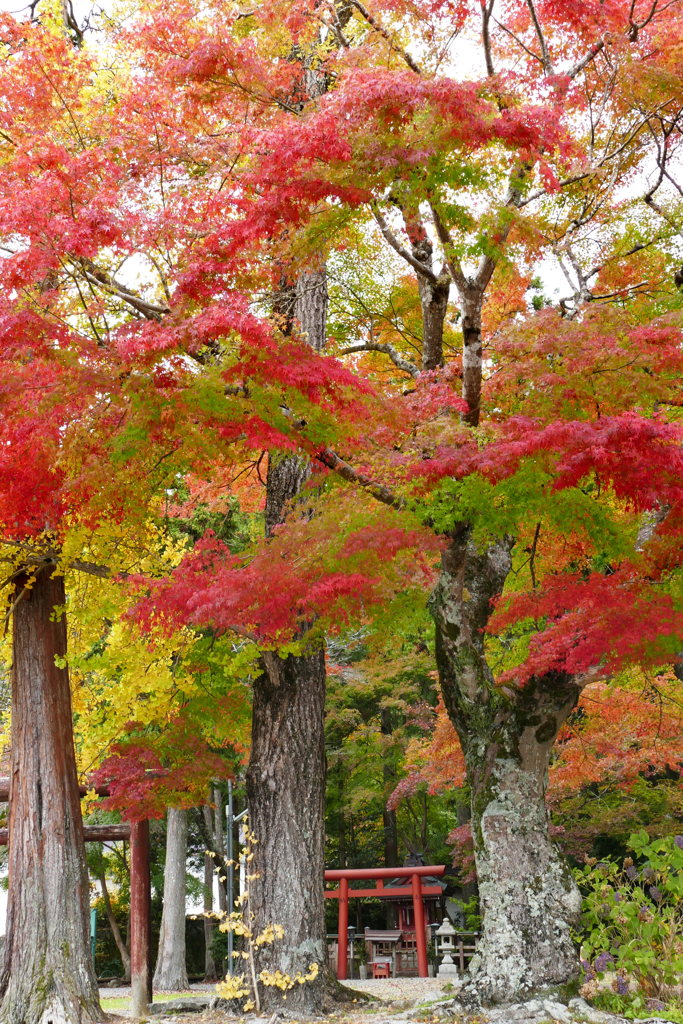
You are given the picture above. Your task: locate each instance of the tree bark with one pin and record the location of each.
(170, 974)
(47, 975)
(528, 898)
(286, 792)
(434, 299)
(210, 973)
(434, 294)
(471, 300)
(115, 930)
(219, 847)
(286, 773)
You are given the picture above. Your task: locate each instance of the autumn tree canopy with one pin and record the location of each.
(473, 429)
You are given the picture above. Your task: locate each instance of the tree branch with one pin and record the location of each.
(384, 494)
(362, 10)
(486, 13)
(106, 281)
(393, 241)
(519, 42)
(388, 350)
(545, 55)
(452, 262)
(585, 61)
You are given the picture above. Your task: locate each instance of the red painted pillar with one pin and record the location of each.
(343, 940)
(140, 920)
(420, 926)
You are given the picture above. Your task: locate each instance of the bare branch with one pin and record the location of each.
(606, 158)
(545, 55)
(388, 350)
(104, 280)
(519, 42)
(621, 291)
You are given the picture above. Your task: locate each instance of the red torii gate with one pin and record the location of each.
(419, 890)
(137, 833)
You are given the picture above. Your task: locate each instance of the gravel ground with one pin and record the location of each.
(389, 989)
(395, 989)
(403, 1002)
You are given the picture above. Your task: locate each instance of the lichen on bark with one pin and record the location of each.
(528, 899)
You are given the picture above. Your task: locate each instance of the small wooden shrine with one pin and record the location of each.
(417, 891)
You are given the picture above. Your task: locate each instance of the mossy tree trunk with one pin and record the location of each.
(48, 975)
(528, 898)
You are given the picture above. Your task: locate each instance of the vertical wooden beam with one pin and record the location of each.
(420, 926)
(343, 940)
(140, 920)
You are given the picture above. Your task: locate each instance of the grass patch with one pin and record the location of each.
(123, 1002)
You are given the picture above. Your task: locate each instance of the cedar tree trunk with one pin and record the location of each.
(47, 975)
(286, 773)
(528, 898)
(286, 793)
(170, 974)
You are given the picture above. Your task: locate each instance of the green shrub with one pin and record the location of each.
(632, 919)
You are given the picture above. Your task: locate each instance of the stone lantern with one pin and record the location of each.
(445, 947)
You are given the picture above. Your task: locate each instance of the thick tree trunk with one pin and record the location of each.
(170, 974)
(434, 300)
(286, 792)
(434, 290)
(311, 307)
(433, 287)
(528, 898)
(115, 930)
(286, 774)
(47, 975)
(472, 354)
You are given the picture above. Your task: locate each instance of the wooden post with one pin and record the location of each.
(343, 939)
(140, 920)
(420, 926)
